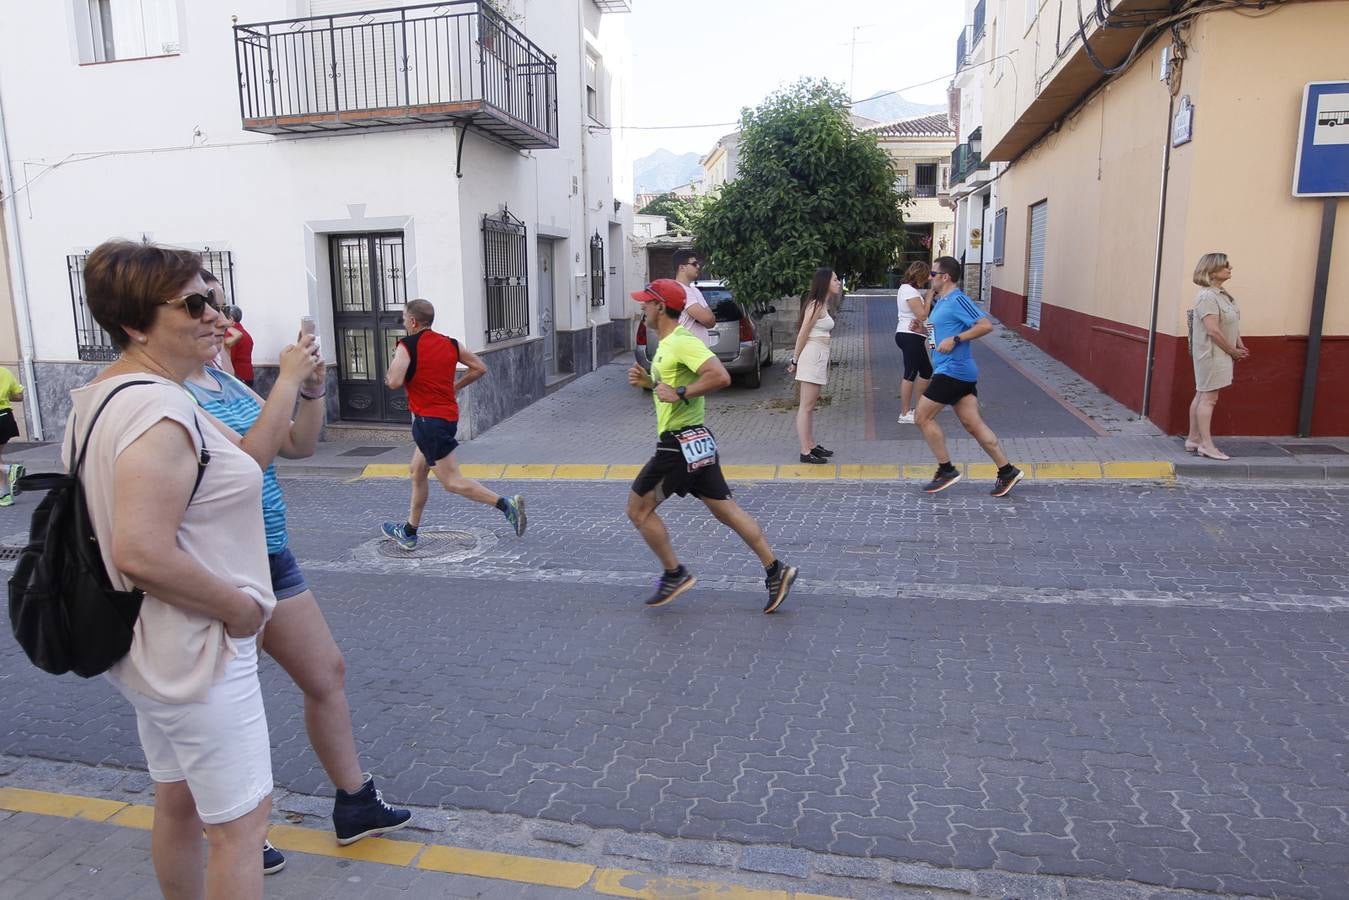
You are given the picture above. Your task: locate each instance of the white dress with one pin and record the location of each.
(813, 363)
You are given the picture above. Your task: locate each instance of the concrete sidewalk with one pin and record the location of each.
(1048, 418)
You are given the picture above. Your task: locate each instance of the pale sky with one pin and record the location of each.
(701, 61)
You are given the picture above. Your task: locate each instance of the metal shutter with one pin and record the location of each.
(1035, 269)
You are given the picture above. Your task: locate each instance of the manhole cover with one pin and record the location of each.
(433, 545)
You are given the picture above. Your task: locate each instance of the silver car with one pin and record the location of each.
(741, 338)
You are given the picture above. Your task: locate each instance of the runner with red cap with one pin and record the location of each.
(686, 461)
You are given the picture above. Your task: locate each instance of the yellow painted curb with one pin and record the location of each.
(919, 473)
(749, 473)
(1140, 470)
(322, 843)
(385, 470)
(1068, 470)
(881, 472)
(580, 472)
(622, 883)
(806, 472)
(139, 817)
(484, 864)
(625, 473)
(981, 471)
(480, 470)
(67, 806)
(529, 470)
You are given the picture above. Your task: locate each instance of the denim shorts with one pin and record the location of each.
(287, 579)
(435, 438)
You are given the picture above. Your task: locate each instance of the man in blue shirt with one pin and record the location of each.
(955, 322)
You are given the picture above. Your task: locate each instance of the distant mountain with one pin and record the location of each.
(663, 170)
(891, 107)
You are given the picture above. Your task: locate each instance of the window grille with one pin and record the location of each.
(597, 270)
(92, 342)
(506, 275)
(999, 235)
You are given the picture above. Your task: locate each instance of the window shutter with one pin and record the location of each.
(1035, 270)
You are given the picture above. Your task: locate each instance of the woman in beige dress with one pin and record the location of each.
(810, 359)
(1215, 343)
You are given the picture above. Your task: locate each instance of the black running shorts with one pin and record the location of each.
(667, 473)
(434, 437)
(949, 391)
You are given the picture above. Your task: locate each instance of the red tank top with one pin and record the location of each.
(241, 355)
(429, 381)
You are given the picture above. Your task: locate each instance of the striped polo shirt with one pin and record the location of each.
(237, 406)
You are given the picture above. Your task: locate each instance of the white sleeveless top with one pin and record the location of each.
(823, 325)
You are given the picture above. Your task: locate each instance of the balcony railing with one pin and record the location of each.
(964, 163)
(960, 50)
(456, 62)
(977, 29)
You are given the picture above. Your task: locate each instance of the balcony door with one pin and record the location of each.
(369, 293)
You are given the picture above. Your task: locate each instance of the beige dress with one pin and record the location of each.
(1212, 364)
(813, 365)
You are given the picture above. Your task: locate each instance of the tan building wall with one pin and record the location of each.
(1229, 190)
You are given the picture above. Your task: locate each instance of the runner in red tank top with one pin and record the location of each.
(426, 365)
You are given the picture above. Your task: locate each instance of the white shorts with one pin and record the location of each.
(813, 364)
(220, 747)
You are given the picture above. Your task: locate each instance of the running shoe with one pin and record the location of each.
(399, 535)
(16, 471)
(818, 450)
(813, 458)
(515, 514)
(779, 585)
(905, 418)
(272, 860)
(365, 813)
(671, 586)
(942, 480)
(1003, 486)
(6, 499)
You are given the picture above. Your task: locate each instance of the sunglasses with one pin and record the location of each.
(694, 263)
(196, 304)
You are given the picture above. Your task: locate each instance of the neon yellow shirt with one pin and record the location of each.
(678, 358)
(10, 389)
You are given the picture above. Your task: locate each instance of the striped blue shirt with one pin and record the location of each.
(235, 405)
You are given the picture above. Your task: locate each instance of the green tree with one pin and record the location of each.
(680, 212)
(812, 191)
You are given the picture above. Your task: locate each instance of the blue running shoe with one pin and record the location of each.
(396, 532)
(515, 514)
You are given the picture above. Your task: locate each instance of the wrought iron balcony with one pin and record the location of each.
(614, 6)
(965, 162)
(457, 62)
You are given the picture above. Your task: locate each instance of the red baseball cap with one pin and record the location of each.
(666, 290)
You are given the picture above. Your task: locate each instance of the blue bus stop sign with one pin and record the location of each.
(1322, 167)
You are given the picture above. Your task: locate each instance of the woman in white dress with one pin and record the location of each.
(810, 361)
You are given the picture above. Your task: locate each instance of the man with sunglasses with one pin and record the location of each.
(686, 461)
(697, 316)
(955, 322)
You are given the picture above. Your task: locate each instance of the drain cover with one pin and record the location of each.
(10, 552)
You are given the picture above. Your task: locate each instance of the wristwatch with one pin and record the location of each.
(680, 391)
(956, 338)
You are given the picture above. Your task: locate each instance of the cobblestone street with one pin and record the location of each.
(1139, 684)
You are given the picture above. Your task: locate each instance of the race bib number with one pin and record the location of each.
(698, 446)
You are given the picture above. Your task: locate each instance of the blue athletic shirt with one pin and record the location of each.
(237, 406)
(950, 316)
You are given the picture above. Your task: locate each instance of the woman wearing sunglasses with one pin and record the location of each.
(297, 636)
(186, 528)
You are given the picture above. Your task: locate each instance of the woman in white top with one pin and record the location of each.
(198, 552)
(810, 361)
(910, 336)
(1215, 343)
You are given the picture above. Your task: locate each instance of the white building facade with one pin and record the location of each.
(972, 192)
(332, 161)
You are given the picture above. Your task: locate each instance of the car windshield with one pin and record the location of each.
(715, 295)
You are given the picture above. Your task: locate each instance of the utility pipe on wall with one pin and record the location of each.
(20, 287)
(1157, 261)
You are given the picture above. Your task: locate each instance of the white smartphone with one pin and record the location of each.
(307, 325)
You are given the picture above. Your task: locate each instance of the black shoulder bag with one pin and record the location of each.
(62, 606)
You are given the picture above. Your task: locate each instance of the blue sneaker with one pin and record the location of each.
(396, 532)
(515, 514)
(364, 813)
(272, 860)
